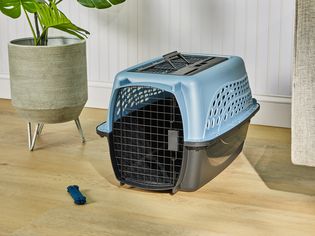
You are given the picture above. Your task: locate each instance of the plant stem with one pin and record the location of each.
(42, 40)
(46, 37)
(29, 22)
(36, 25)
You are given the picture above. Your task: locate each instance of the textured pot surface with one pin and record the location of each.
(48, 83)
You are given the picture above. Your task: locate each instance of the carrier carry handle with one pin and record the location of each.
(173, 55)
(167, 58)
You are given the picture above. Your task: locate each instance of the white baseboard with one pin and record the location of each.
(274, 110)
(5, 91)
(99, 94)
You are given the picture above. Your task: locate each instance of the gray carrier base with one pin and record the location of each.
(206, 162)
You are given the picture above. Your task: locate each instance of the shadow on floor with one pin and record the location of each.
(269, 152)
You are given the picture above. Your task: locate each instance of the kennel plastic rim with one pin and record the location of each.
(193, 144)
(103, 130)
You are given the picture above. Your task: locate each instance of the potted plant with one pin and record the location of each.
(48, 76)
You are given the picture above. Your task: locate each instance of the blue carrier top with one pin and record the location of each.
(212, 92)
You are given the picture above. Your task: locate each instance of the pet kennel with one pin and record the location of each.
(177, 121)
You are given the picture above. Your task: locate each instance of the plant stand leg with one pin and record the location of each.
(32, 139)
(40, 129)
(78, 124)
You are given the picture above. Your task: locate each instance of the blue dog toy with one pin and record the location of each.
(77, 196)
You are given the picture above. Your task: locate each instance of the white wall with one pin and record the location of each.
(260, 31)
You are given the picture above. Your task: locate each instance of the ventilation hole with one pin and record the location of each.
(218, 95)
(221, 110)
(224, 103)
(208, 124)
(218, 120)
(215, 112)
(212, 122)
(219, 103)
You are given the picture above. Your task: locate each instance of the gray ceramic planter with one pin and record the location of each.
(48, 83)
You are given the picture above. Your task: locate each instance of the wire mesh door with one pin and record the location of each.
(147, 137)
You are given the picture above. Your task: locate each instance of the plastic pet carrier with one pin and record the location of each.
(177, 121)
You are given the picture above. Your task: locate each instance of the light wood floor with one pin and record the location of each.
(246, 199)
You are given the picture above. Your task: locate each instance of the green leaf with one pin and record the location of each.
(100, 4)
(12, 8)
(51, 17)
(29, 5)
(115, 2)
